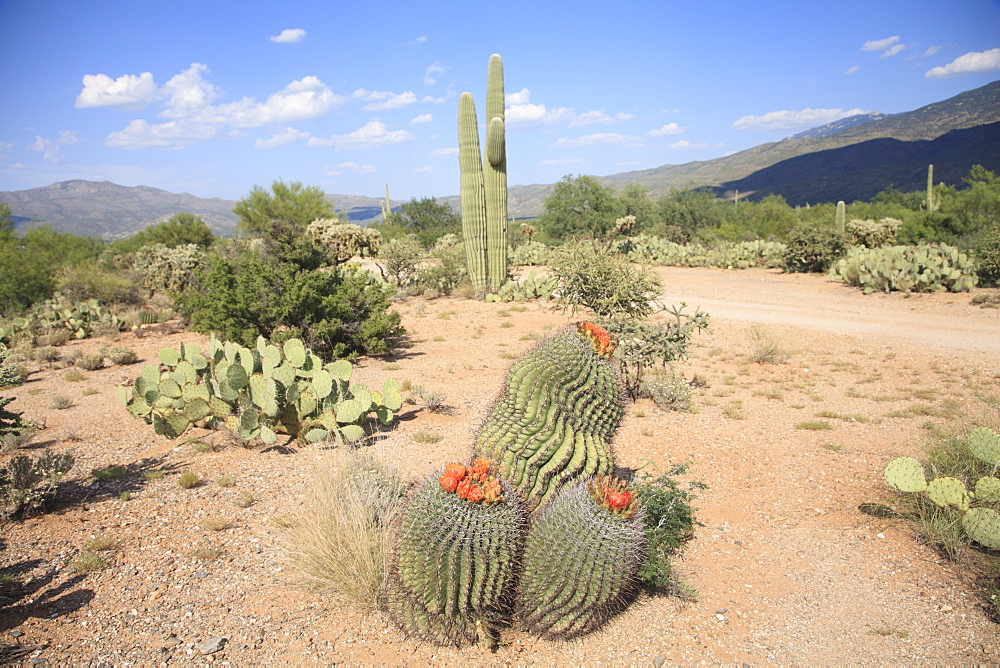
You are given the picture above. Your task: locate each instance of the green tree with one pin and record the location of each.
(280, 218)
(635, 201)
(687, 213)
(428, 219)
(580, 206)
(181, 229)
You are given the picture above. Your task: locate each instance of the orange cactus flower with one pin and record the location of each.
(598, 336)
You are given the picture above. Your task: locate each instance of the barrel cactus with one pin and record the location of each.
(555, 417)
(455, 559)
(581, 558)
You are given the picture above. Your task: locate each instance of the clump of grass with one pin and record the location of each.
(987, 300)
(765, 346)
(341, 545)
(188, 479)
(119, 355)
(153, 474)
(814, 425)
(426, 437)
(734, 410)
(445, 315)
(506, 324)
(101, 543)
(243, 500)
(206, 553)
(46, 354)
(216, 523)
(391, 366)
(832, 447)
(224, 481)
(74, 376)
(89, 361)
(503, 314)
(518, 308)
(87, 562)
(530, 336)
(88, 391)
(109, 473)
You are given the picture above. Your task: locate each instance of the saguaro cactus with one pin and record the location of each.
(484, 184)
(841, 216)
(932, 204)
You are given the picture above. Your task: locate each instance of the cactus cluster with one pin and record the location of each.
(532, 253)
(50, 315)
(342, 241)
(469, 560)
(532, 286)
(726, 255)
(257, 393)
(168, 268)
(484, 184)
(554, 420)
(923, 268)
(978, 507)
(873, 234)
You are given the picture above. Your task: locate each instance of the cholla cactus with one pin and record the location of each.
(342, 241)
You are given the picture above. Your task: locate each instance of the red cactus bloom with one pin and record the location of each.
(449, 482)
(603, 344)
(455, 469)
(618, 500)
(481, 466)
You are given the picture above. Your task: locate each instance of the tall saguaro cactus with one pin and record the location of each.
(484, 184)
(932, 204)
(841, 217)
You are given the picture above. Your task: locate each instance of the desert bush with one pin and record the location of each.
(872, 234)
(119, 355)
(448, 273)
(340, 545)
(60, 402)
(47, 354)
(340, 312)
(398, 260)
(532, 286)
(91, 280)
(644, 346)
(925, 268)
(765, 346)
(668, 390)
(26, 483)
(170, 269)
(812, 249)
(669, 521)
(12, 369)
(987, 255)
(605, 282)
(89, 361)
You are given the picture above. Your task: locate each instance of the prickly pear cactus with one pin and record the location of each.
(553, 422)
(984, 444)
(581, 559)
(983, 526)
(948, 491)
(456, 555)
(987, 489)
(906, 474)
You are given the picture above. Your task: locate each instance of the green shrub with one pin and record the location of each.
(872, 234)
(398, 260)
(812, 249)
(26, 483)
(603, 281)
(339, 312)
(122, 355)
(90, 280)
(669, 391)
(450, 271)
(89, 361)
(528, 253)
(987, 256)
(669, 521)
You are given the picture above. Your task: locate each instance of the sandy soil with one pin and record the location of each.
(783, 566)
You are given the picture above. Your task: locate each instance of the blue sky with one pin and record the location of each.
(212, 97)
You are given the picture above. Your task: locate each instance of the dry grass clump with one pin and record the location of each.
(341, 543)
(765, 346)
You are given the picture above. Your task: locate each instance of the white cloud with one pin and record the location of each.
(666, 130)
(300, 100)
(685, 145)
(128, 91)
(5, 149)
(601, 138)
(879, 44)
(432, 73)
(172, 135)
(422, 118)
(432, 100)
(852, 70)
(51, 149)
(289, 36)
(188, 92)
(382, 100)
(974, 62)
(286, 136)
(426, 169)
(931, 51)
(893, 50)
(522, 96)
(351, 167)
(598, 118)
(520, 111)
(791, 120)
(374, 133)
(445, 152)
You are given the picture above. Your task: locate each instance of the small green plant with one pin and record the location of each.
(120, 355)
(224, 481)
(109, 473)
(87, 562)
(426, 437)
(89, 361)
(101, 543)
(188, 479)
(153, 474)
(814, 425)
(765, 346)
(669, 519)
(74, 376)
(27, 483)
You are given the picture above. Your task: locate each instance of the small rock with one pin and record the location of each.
(722, 611)
(200, 575)
(946, 608)
(16, 633)
(659, 661)
(212, 645)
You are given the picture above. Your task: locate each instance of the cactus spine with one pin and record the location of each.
(841, 216)
(456, 556)
(581, 558)
(484, 184)
(555, 418)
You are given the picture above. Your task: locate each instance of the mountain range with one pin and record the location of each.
(850, 159)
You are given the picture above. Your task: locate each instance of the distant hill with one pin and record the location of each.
(110, 211)
(853, 158)
(862, 170)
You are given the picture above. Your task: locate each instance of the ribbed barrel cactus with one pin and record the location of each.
(555, 417)
(456, 556)
(582, 555)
